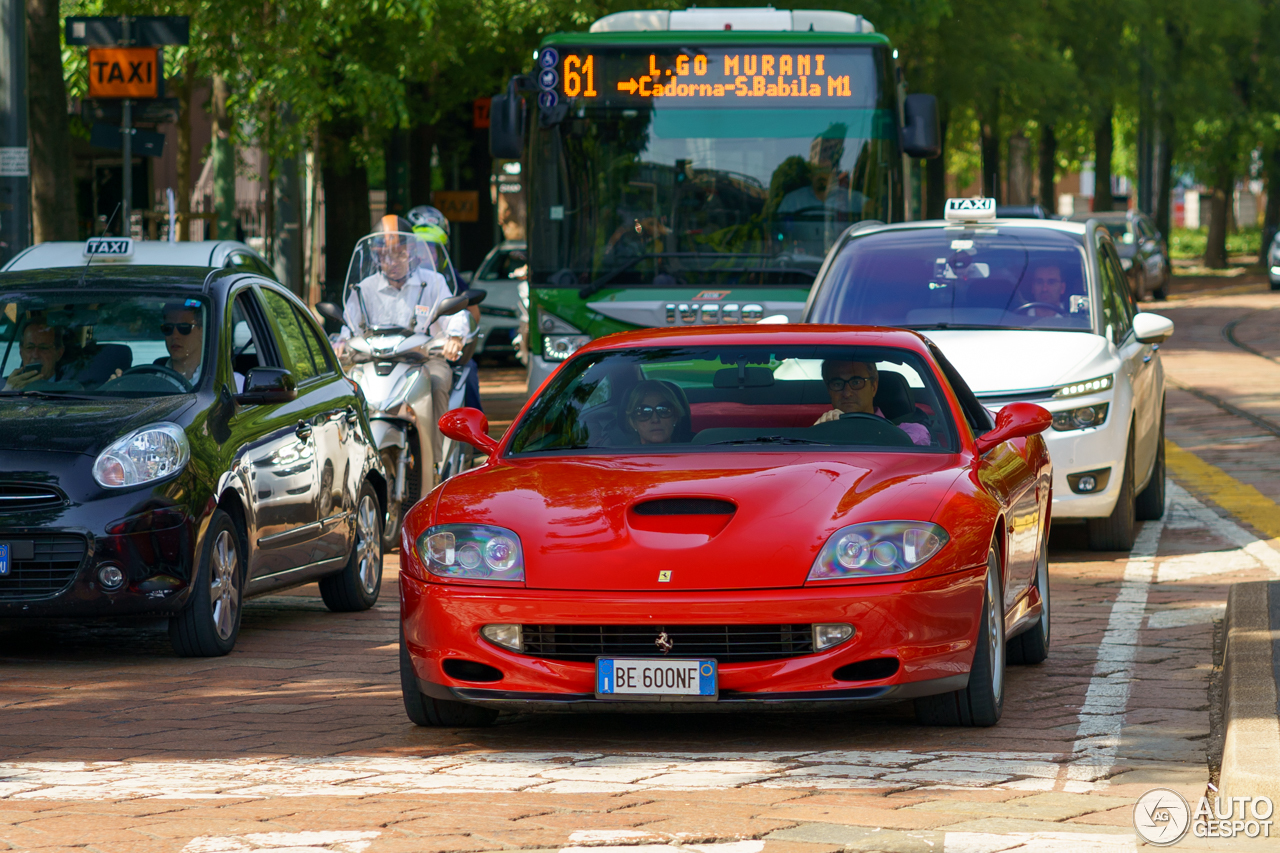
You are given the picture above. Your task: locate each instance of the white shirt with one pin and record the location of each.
(408, 307)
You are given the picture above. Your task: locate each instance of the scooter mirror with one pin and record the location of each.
(453, 305)
(475, 296)
(330, 312)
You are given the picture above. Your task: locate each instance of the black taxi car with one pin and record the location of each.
(173, 440)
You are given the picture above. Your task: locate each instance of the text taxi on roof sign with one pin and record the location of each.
(969, 209)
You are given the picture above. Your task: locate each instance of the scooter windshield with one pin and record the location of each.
(387, 260)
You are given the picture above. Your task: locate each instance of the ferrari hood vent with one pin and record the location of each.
(685, 506)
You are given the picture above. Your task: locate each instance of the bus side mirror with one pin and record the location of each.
(921, 136)
(506, 125)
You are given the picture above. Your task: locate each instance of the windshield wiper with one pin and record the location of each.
(771, 439)
(591, 287)
(47, 395)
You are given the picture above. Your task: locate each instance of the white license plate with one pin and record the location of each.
(627, 678)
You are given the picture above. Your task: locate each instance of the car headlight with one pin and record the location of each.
(1082, 418)
(151, 453)
(876, 549)
(1089, 386)
(559, 338)
(474, 551)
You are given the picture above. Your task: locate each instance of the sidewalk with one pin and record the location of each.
(1251, 753)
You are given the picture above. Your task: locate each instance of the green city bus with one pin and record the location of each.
(691, 167)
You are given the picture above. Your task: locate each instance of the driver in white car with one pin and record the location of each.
(1047, 288)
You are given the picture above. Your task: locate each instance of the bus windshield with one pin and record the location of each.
(745, 174)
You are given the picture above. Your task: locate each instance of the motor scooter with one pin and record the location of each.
(388, 363)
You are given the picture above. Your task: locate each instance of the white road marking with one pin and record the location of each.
(1191, 512)
(338, 841)
(1039, 842)
(1102, 715)
(1180, 617)
(713, 847)
(512, 771)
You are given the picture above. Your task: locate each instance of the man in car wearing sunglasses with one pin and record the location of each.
(852, 386)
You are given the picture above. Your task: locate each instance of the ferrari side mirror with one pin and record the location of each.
(1016, 420)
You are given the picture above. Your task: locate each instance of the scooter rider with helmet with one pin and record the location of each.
(433, 227)
(402, 292)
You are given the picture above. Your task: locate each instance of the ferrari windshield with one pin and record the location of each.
(101, 344)
(726, 173)
(954, 277)
(676, 399)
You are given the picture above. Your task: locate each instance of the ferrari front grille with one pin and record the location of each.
(42, 569)
(725, 643)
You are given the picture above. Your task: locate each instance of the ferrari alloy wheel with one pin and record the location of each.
(1032, 645)
(1150, 503)
(356, 587)
(425, 711)
(210, 622)
(981, 702)
(1117, 531)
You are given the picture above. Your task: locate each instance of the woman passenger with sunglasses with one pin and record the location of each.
(653, 411)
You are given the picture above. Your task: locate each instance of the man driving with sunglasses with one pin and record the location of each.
(852, 386)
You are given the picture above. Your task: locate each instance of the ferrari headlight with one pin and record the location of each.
(478, 551)
(1082, 418)
(559, 338)
(151, 453)
(876, 549)
(1089, 386)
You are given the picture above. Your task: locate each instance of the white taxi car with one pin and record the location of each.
(1027, 311)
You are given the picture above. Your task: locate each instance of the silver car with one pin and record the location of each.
(504, 312)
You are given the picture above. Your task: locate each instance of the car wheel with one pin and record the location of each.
(1032, 646)
(981, 702)
(356, 587)
(1116, 532)
(1161, 293)
(1275, 285)
(1150, 503)
(210, 622)
(425, 711)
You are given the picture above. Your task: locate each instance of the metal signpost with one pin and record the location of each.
(126, 63)
(15, 180)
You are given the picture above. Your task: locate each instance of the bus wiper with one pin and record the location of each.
(594, 286)
(771, 439)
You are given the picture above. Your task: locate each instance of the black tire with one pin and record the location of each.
(356, 587)
(1032, 646)
(1117, 531)
(210, 622)
(1150, 503)
(1161, 293)
(1275, 285)
(982, 701)
(425, 711)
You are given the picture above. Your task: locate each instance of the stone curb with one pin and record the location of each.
(1251, 752)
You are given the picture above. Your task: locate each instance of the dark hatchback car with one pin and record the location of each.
(173, 440)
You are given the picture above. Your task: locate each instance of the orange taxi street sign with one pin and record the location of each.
(458, 205)
(124, 72)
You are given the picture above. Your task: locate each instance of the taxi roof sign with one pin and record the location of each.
(109, 248)
(970, 209)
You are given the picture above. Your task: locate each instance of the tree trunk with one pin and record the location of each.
(186, 84)
(991, 152)
(1271, 216)
(1048, 163)
(53, 189)
(1215, 249)
(422, 141)
(346, 200)
(935, 173)
(1103, 141)
(224, 162)
(1164, 175)
(1018, 188)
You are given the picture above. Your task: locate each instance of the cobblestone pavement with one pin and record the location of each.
(297, 741)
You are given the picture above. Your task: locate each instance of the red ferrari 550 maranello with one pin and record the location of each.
(733, 517)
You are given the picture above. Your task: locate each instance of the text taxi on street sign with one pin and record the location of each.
(124, 72)
(970, 209)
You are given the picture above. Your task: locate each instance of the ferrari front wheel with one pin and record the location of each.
(425, 711)
(982, 701)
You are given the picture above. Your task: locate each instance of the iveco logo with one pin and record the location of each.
(664, 643)
(711, 313)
